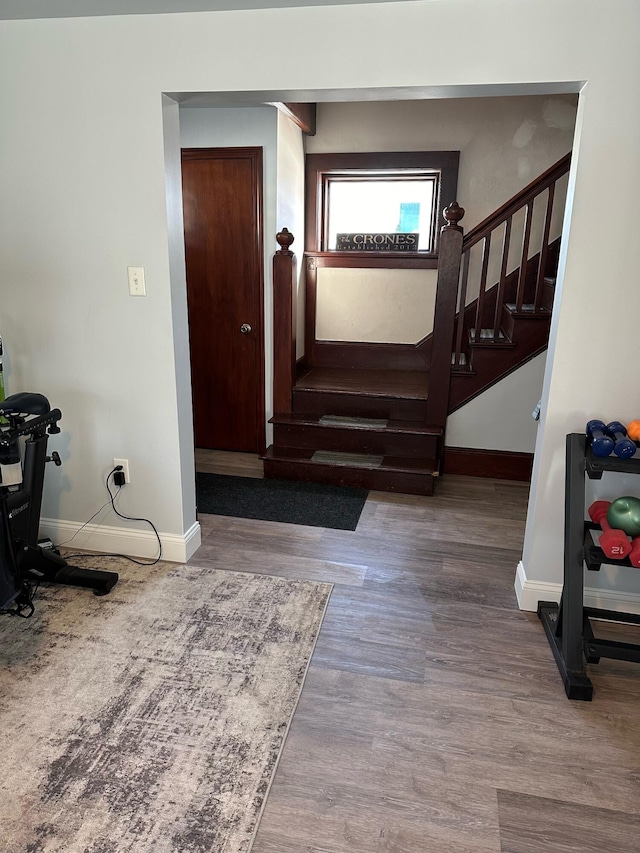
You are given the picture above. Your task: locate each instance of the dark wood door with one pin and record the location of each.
(222, 200)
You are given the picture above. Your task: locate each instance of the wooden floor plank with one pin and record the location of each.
(537, 825)
(433, 717)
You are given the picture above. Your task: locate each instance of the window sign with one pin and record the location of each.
(363, 242)
(378, 207)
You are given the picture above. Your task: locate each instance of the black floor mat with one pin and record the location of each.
(313, 504)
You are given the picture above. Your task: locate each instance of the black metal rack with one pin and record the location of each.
(568, 625)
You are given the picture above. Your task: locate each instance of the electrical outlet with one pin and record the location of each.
(125, 468)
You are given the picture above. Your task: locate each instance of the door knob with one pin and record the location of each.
(245, 328)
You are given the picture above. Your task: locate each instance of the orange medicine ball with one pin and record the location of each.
(633, 430)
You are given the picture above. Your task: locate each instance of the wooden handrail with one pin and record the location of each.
(541, 183)
(284, 323)
(453, 318)
(525, 285)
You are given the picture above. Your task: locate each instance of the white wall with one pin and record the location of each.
(500, 419)
(188, 530)
(504, 143)
(82, 181)
(374, 305)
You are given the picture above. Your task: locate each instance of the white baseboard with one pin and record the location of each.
(529, 593)
(122, 540)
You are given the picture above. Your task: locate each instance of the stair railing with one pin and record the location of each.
(284, 323)
(527, 280)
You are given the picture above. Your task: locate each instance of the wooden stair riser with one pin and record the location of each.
(491, 361)
(360, 440)
(548, 293)
(310, 402)
(514, 324)
(379, 479)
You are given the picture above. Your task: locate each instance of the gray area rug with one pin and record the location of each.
(150, 720)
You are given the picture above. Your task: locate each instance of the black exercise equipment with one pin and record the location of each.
(24, 563)
(569, 626)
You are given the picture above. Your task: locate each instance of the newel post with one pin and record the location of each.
(284, 323)
(449, 258)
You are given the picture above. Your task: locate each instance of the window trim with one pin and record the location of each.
(319, 169)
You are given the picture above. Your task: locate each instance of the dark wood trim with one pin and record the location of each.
(371, 260)
(310, 294)
(444, 319)
(284, 324)
(319, 165)
(498, 464)
(304, 115)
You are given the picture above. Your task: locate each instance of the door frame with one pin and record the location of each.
(256, 156)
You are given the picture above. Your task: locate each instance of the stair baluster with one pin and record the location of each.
(544, 248)
(522, 275)
(502, 284)
(486, 251)
(460, 320)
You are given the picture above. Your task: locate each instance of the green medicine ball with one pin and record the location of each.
(624, 514)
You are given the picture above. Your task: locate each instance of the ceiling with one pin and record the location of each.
(22, 9)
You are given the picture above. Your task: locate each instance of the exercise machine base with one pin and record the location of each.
(47, 566)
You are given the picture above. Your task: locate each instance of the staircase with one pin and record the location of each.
(357, 427)
(523, 332)
(381, 425)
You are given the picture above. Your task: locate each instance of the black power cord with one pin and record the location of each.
(112, 500)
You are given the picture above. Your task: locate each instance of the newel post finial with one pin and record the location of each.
(285, 238)
(453, 214)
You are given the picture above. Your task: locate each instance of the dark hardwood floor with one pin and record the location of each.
(433, 718)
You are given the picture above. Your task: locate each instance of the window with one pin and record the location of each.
(387, 204)
(382, 205)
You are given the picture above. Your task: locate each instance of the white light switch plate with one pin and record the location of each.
(137, 286)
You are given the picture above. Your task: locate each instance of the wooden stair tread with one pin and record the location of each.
(380, 425)
(486, 341)
(528, 312)
(389, 473)
(388, 463)
(397, 384)
(463, 370)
